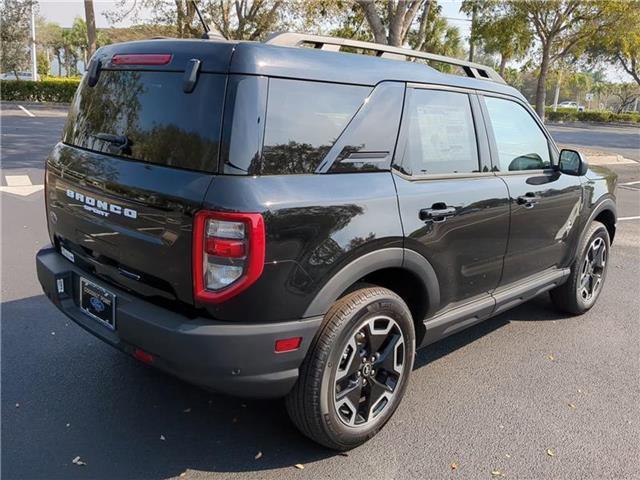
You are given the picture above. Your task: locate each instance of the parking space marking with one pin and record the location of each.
(26, 111)
(20, 185)
(625, 219)
(637, 182)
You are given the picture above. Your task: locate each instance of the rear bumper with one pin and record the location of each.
(236, 359)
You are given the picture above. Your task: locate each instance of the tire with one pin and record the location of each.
(573, 296)
(338, 371)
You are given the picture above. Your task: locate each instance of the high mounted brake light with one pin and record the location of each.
(141, 59)
(228, 254)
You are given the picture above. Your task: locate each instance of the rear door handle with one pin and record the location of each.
(437, 215)
(529, 200)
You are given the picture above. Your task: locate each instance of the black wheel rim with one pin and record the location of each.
(370, 370)
(593, 267)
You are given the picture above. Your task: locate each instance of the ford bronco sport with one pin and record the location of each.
(270, 220)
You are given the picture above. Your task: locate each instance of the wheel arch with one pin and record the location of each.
(403, 271)
(605, 212)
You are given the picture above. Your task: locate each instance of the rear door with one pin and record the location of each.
(545, 204)
(138, 153)
(454, 211)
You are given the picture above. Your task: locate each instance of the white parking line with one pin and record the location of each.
(624, 219)
(631, 183)
(20, 185)
(26, 111)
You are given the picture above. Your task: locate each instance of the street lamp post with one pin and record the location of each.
(34, 63)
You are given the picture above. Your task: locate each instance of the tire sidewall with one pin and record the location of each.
(384, 305)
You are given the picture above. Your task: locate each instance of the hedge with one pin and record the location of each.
(59, 90)
(573, 115)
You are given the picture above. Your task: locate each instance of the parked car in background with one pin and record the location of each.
(18, 76)
(575, 105)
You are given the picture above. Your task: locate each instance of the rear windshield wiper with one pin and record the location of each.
(120, 143)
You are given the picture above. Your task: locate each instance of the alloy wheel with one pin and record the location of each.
(593, 267)
(369, 372)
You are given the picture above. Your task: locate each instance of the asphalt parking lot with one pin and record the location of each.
(528, 394)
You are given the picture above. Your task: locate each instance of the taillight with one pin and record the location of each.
(228, 254)
(141, 58)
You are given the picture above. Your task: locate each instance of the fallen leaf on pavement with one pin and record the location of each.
(454, 466)
(571, 405)
(497, 473)
(551, 452)
(508, 456)
(258, 455)
(299, 466)
(77, 461)
(551, 357)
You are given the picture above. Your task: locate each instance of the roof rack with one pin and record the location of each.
(334, 44)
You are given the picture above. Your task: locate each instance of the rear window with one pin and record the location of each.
(304, 119)
(147, 116)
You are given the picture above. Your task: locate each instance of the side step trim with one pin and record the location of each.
(454, 320)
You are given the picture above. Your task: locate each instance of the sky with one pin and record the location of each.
(63, 12)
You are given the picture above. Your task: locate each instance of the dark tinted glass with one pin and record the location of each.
(147, 116)
(304, 119)
(520, 141)
(243, 130)
(441, 137)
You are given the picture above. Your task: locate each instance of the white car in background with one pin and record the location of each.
(575, 105)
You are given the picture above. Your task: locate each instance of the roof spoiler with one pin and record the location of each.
(334, 44)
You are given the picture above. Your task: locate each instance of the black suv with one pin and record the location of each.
(270, 220)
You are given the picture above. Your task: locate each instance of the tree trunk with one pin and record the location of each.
(374, 21)
(59, 63)
(503, 64)
(541, 88)
(556, 96)
(90, 18)
(474, 13)
(422, 31)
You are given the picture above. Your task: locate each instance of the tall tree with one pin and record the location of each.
(619, 40)
(499, 30)
(90, 20)
(391, 20)
(15, 35)
(561, 27)
(244, 19)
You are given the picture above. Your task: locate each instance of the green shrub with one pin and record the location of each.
(59, 90)
(573, 115)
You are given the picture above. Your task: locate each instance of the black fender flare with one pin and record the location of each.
(606, 202)
(370, 262)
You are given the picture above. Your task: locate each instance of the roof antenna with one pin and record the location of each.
(206, 35)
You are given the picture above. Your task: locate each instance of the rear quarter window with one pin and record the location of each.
(303, 121)
(145, 115)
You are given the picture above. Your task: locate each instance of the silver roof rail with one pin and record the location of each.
(334, 44)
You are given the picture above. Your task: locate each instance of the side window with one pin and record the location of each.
(440, 134)
(521, 143)
(304, 119)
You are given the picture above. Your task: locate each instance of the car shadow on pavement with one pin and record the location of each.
(65, 394)
(539, 309)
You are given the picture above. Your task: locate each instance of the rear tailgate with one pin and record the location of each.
(138, 154)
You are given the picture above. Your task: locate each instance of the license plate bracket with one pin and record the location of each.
(98, 303)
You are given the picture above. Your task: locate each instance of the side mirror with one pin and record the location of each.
(572, 162)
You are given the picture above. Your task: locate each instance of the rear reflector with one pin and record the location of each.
(288, 344)
(141, 59)
(143, 356)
